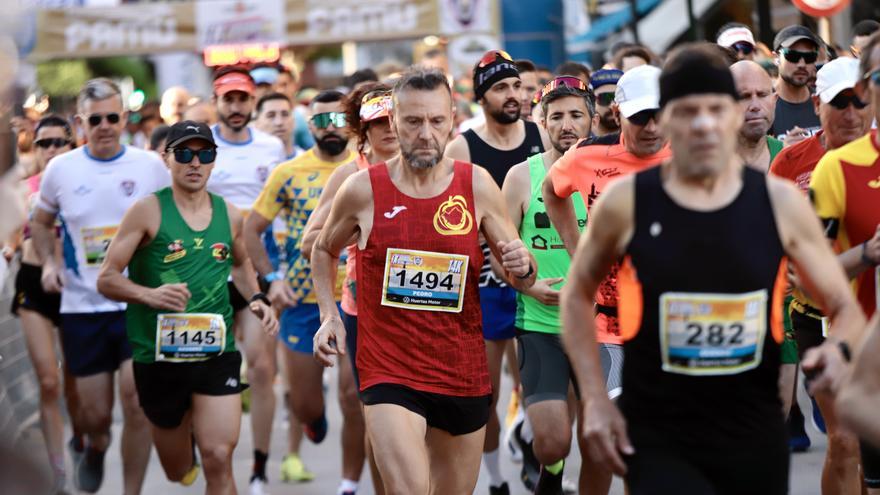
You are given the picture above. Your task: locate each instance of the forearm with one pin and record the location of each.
(308, 241)
(43, 240)
(847, 322)
(256, 251)
(859, 398)
(112, 284)
(245, 280)
(563, 218)
(853, 262)
(579, 338)
(324, 279)
(523, 284)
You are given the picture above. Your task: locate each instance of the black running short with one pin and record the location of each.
(165, 390)
(721, 471)
(29, 294)
(237, 301)
(453, 414)
(870, 464)
(807, 327)
(544, 369)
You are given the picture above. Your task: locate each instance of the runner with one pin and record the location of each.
(422, 366)
(275, 117)
(589, 170)
(733, 228)
(797, 50)
(842, 121)
(174, 102)
(367, 111)
(180, 245)
(39, 312)
(245, 157)
(758, 100)
(528, 75)
(90, 188)
(739, 38)
(293, 190)
(604, 85)
(544, 369)
(500, 143)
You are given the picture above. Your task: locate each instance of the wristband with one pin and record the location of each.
(271, 277)
(845, 351)
(528, 273)
(259, 296)
(865, 259)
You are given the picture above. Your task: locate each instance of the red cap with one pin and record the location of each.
(233, 81)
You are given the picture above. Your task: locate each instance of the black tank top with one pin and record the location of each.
(498, 162)
(702, 360)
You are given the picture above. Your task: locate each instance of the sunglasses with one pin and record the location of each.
(743, 47)
(642, 118)
(186, 155)
(323, 120)
(567, 81)
(50, 142)
(96, 118)
(605, 99)
(795, 56)
(842, 100)
(492, 55)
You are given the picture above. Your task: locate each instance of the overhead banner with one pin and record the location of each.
(311, 22)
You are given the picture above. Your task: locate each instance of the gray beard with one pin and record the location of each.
(420, 163)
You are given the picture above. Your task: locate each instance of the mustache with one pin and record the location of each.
(233, 115)
(568, 135)
(331, 136)
(512, 100)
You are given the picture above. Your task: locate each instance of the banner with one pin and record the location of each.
(226, 22)
(311, 22)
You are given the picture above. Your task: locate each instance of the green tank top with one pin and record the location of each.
(542, 239)
(202, 260)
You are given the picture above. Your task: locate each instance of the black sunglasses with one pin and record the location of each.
(743, 47)
(96, 118)
(795, 56)
(605, 99)
(186, 155)
(841, 101)
(49, 142)
(642, 118)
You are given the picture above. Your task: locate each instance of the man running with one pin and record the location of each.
(91, 188)
(528, 75)
(500, 143)
(796, 49)
(245, 158)
(275, 117)
(704, 241)
(604, 85)
(180, 245)
(844, 118)
(739, 38)
(421, 359)
(567, 106)
(293, 191)
(758, 99)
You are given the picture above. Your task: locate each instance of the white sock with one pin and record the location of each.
(526, 431)
(347, 486)
(492, 462)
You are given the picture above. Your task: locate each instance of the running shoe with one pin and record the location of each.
(258, 486)
(77, 449)
(513, 409)
(798, 440)
(531, 468)
(90, 471)
(818, 420)
(569, 486)
(193, 474)
(499, 490)
(512, 446)
(317, 429)
(294, 471)
(549, 484)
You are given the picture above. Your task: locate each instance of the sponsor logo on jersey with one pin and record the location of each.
(82, 190)
(453, 217)
(198, 243)
(394, 211)
(220, 252)
(177, 251)
(128, 187)
(262, 173)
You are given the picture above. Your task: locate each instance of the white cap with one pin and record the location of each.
(735, 35)
(638, 89)
(835, 76)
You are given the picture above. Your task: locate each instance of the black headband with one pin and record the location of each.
(485, 77)
(695, 76)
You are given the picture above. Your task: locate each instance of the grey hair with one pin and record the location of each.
(98, 89)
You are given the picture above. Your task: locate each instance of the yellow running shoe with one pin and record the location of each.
(294, 471)
(512, 408)
(191, 476)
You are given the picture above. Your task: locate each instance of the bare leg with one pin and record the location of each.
(307, 397)
(96, 408)
(135, 445)
(840, 475)
(216, 425)
(455, 461)
(551, 425)
(494, 355)
(259, 351)
(398, 439)
(174, 448)
(353, 426)
(787, 383)
(378, 486)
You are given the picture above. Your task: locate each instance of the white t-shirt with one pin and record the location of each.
(91, 196)
(241, 169)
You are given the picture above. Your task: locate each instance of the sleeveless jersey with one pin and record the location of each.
(542, 239)
(419, 321)
(349, 285)
(202, 260)
(498, 162)
(701, 315)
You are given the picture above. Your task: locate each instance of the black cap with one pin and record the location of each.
(792, 34)
(188, 130)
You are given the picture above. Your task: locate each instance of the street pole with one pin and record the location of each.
(634, 25)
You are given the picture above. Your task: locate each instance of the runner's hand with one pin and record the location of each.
(514, 257)
(281, 295)
(794, 136)
(872, 248)
(544, 292)
(329, 341)
(266, 316)
(52, 278)
(604, 431)
(825, 368)
(171, 297)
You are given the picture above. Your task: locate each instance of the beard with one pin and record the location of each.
(790, 79)
(420, 161)
(332, 144)
(607, 121)
(562, 148)
(501, 115)
(235, 128)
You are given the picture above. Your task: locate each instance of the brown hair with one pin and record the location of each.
(353, 111)
(867, 52)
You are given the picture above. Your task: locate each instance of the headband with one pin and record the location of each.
(695, 76)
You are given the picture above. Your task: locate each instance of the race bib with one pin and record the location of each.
(96, 240)
(182, 337)
(712, 334)
(423, 280)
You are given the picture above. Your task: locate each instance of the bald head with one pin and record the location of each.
(174, 102)
(757, 98)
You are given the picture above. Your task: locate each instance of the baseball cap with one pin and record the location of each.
(835, 76)
(264, 75)
(375, 105)
(638, 89)
(792, 34)
(734, 35)
(604, 77)
(234, 81)
(187, 130)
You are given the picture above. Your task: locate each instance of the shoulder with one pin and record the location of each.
(458, 148)
(356, 191)
(782, 191)
(146, 207)
(517, 172)
(859, 152)
(264, 139)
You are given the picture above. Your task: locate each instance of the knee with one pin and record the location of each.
(842, 446)
(217, 459)
(350, 404)
(308, 410)
(552, 447)
(261, 372)
(50, 387)
(98, 417)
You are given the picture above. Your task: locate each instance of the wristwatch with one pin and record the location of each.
(528, 273)
(865, 259)
(259, 296)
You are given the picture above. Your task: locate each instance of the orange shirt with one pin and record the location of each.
(589, 170)
(796, 162)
